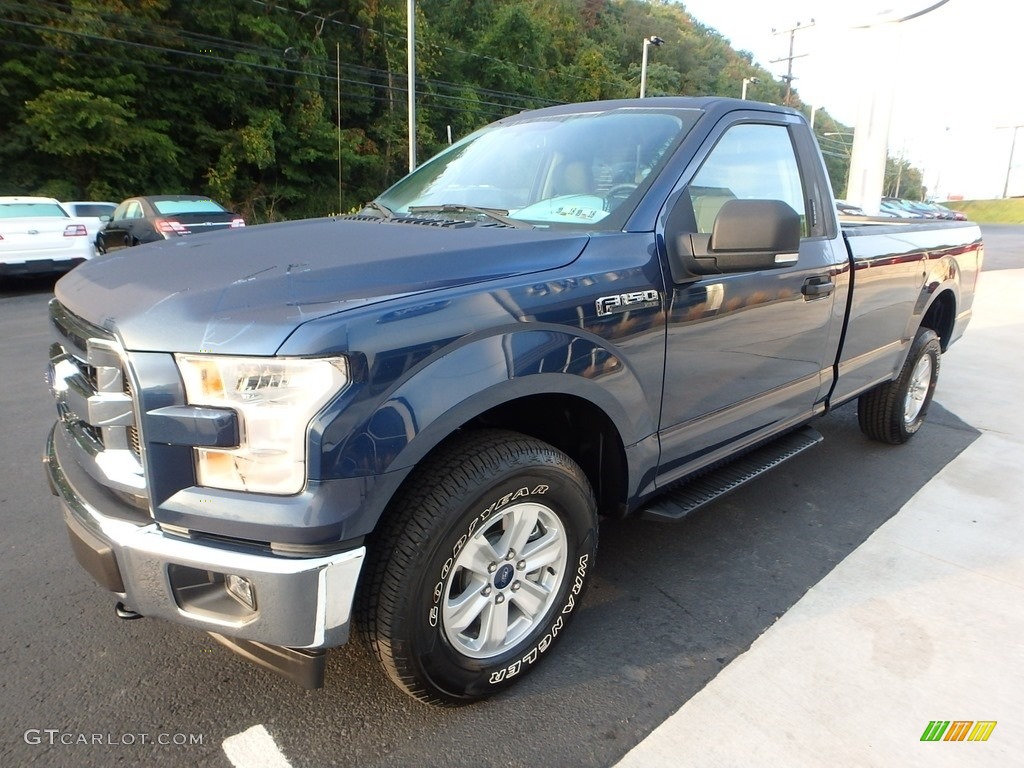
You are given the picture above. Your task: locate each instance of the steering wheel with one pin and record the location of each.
(619, 192)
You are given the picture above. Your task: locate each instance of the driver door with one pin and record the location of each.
(748, 353)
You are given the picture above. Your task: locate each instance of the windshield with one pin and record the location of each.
(564, 169)
(93, 210)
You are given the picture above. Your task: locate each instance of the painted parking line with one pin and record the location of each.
(254, 748)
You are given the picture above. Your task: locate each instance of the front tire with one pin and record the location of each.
(484, 557)
(893, 412)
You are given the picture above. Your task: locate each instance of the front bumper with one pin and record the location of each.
(299, 602)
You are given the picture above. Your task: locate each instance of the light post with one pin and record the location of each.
(648, 41)
(747, 81)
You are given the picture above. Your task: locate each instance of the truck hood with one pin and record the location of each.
(244, 291)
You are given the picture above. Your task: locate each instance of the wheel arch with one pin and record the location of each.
(579, 429)
(939, 299)
(940, 315)
(592, 408)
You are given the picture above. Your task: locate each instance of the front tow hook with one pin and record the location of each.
(126, 613)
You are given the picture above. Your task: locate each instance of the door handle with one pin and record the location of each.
(816, 287)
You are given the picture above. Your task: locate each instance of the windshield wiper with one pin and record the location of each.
(497, 214)
(380, 208)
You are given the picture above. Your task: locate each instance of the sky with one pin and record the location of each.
(952, 70)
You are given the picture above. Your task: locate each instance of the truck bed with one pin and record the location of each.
(895, 267)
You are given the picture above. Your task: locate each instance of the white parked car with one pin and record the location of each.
(38, 236)
(91, 210)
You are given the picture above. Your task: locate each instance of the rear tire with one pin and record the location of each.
(483, 559)
(893, 412)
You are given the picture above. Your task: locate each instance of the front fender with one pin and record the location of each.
(454, 386)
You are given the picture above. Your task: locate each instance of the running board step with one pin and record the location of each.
(676, 504)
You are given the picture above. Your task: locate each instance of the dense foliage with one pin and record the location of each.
(298, 108)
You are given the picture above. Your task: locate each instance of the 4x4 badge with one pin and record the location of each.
(609, 305)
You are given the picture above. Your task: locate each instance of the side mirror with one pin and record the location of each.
(105, 218)
(747, 235)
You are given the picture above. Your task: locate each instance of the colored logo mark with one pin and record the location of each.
(958, 730)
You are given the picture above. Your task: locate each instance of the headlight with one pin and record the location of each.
(276, 398)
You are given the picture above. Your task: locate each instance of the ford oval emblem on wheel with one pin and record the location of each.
(504, 576)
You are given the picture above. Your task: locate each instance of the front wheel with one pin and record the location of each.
(484, 559)
(893, 412)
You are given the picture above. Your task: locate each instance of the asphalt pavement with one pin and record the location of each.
(830, 572)
(909, 652)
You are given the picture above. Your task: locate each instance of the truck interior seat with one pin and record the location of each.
(574, 178)
(706, 208)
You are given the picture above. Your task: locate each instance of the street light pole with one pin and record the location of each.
(648, 41)
(747, 81)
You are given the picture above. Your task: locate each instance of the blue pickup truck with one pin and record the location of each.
(410, 420)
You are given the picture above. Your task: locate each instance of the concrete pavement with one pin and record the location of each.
(922, 622)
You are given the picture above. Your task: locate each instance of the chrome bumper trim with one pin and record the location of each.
(302, 603)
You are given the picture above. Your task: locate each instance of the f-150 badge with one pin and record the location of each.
(609, 305)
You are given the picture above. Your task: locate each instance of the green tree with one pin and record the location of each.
(239, 99)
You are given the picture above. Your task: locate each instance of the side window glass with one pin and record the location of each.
(134, 210)
(749, 162)
(121, 212)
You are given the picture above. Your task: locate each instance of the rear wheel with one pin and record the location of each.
(483, 561)
(893, 412)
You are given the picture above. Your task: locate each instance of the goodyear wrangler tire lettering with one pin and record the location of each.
(533, 654)
(483, 560)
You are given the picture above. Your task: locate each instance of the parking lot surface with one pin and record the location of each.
(672, 608)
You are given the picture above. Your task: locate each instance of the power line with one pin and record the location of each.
(252, 65)
(452, 49)
(239, 79)
(527, 101)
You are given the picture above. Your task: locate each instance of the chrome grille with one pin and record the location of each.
(133, 433)
(95, 402)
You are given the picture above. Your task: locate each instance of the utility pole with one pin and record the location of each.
(788, 77)
(337, 53)
(1009, 164)
(411, 79)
